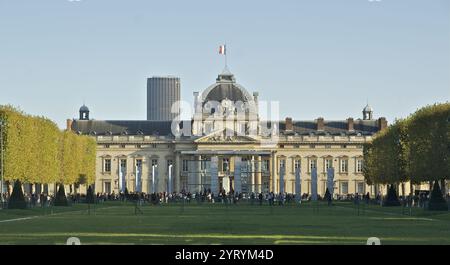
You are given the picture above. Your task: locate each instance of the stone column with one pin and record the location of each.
(198, 175)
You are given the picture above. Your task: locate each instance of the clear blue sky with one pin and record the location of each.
(317, 57)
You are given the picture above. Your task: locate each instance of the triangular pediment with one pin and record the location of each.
(221, 136)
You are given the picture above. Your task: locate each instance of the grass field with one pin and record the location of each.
(116, 223)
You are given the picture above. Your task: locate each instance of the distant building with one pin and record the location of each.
(162, 93)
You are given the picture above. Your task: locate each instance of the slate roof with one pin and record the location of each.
(363, 127)
(112, 127)
(163, 128)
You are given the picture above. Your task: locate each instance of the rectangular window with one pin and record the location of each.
(297, 163)
(282, 164)
(107, 165)
(139, 163)
(225, 164)
(344, 187)
(123, 164)
(265, 165)
(360, 188)
(154, 162)
(344, 165)
(107, 187)
(185, 165)
(359, 166)
(328, 163)
(203, 164)
(312, 164)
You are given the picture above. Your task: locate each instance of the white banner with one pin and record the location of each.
(214, 175)
(298, 184)
(138, 175)
(237, 175)
(282, 173)
(154, 176)
(122, 175)
(314, 184)
(169, 188)
(330, 180)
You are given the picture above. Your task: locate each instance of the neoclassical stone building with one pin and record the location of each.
(227, 144)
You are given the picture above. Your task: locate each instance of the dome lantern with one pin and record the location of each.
(84, 113)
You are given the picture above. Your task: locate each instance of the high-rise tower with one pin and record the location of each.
(162, 93)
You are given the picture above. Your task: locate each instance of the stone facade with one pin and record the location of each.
(233, 139)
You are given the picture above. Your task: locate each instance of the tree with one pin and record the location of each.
(385, 160)
(391, 198)
(416, 149)
(17, 199)
(60, 198)
(437, 201)
(37, 152)
(429, 141)
(90, 197)
(328, 197)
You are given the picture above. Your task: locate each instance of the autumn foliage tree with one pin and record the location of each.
(37, 152)
(416, 149)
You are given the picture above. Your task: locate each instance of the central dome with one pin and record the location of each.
(226, 88)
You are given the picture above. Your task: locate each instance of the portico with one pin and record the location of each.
(236, 170)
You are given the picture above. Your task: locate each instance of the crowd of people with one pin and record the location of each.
(223, 197)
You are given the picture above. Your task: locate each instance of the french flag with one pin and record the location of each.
(223, 49)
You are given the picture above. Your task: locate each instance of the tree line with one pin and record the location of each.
(36, 151)
(415, 149)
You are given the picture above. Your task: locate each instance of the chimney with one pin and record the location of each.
(289, 125)
(320, 124)
(382, 123)
(350, 125)
(69, 124)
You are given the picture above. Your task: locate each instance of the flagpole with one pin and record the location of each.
(226, 56)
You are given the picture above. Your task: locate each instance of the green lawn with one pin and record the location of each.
(116, 223)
